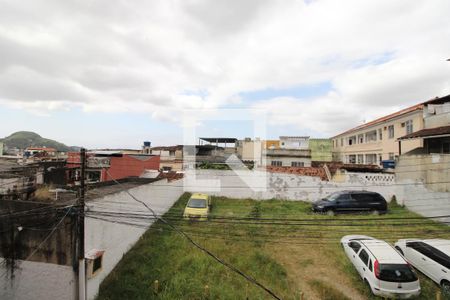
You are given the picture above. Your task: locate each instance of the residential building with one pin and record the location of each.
(375, 141)
(429, 164)
(40, 151)
(171, 157)
(321, 149)
(249, 150)
(294, 142)
(293, 152)
(109, 165)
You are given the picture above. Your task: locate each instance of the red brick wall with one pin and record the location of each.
(127, 166)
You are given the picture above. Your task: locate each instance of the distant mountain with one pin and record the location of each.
(24, 139)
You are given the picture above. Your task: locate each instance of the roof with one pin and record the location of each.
(420, 106)
(42, 149)
(427, 133)
(440, 244)
(167, 148)
(219, 140)
(199, 196)
(417, 107)
(294, 137)
(382, 251)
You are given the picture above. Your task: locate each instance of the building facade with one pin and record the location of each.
(321, 149)
(375, 141)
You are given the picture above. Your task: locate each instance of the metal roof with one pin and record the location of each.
(219, 140)
(428, 133)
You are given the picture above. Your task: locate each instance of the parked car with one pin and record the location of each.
(351, 201)
(382, 268)
(431, 257)
(197, 207)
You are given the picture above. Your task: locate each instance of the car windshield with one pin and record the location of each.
(197, 203)
(332, 197)
(397, 273)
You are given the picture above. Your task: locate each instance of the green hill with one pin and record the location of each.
(24, 139)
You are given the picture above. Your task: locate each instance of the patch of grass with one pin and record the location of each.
(327, 292)
(263, 251)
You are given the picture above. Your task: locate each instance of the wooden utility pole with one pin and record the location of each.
(81, 261)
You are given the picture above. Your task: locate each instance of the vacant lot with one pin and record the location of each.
(280, 243)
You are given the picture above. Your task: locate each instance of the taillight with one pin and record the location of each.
(376, 267)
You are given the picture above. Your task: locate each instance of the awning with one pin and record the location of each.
(428, 133)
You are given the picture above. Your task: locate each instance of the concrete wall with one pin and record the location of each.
(116, 239)
(36, 281)
(267, 185)
(433, 170)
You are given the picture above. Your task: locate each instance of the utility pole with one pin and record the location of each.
(81, 260)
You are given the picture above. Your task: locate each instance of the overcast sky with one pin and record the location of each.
(115, 73)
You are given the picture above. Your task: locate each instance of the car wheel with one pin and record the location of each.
(376, 212)
(445, 285)
(330, 212)
(399, 250)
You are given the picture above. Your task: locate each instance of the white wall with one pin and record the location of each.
(283, 186)
(117, 239)
(36, 281)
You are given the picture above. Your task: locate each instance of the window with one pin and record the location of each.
(371, 159)
(342, 142)
(97, 264)
(352, 159)
(370, 265)
(396, 273)
(380, 134)
(391, 131)
(371, 136)
(431, 252)
(380, 158)
(352, 140)
(297, 164)
(94, 262)
(172, 153)
(360, 158)
(355, 246)
(364, 256)
(276, 163)
(391, 156)
(361, 138)
(409, 126)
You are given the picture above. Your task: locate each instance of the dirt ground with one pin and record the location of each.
(304, 264)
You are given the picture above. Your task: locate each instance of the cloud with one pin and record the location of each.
(142, 56)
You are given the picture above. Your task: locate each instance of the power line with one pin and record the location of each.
(228, 265)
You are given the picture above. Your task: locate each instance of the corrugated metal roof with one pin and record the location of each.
(437, 131)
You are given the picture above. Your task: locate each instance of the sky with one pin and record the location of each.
(112, 74)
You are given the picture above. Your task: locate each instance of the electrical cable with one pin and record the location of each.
(228, 265)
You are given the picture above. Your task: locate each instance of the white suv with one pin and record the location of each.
(431, 257)
(381, 267)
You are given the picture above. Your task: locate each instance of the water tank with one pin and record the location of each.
(147, 144)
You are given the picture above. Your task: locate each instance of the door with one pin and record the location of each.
(344, 203)
(363, 262)
(438, 263)
(352, 251)
(414, 253)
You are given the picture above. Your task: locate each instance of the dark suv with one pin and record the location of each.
(351, 201)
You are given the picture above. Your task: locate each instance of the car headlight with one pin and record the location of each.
(319, 206)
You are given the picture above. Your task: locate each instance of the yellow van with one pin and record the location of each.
(197, 207)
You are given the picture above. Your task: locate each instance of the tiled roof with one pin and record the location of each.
(444, 130)
(385, 118)
(301, 171)
(420, 106)
(42, 149)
